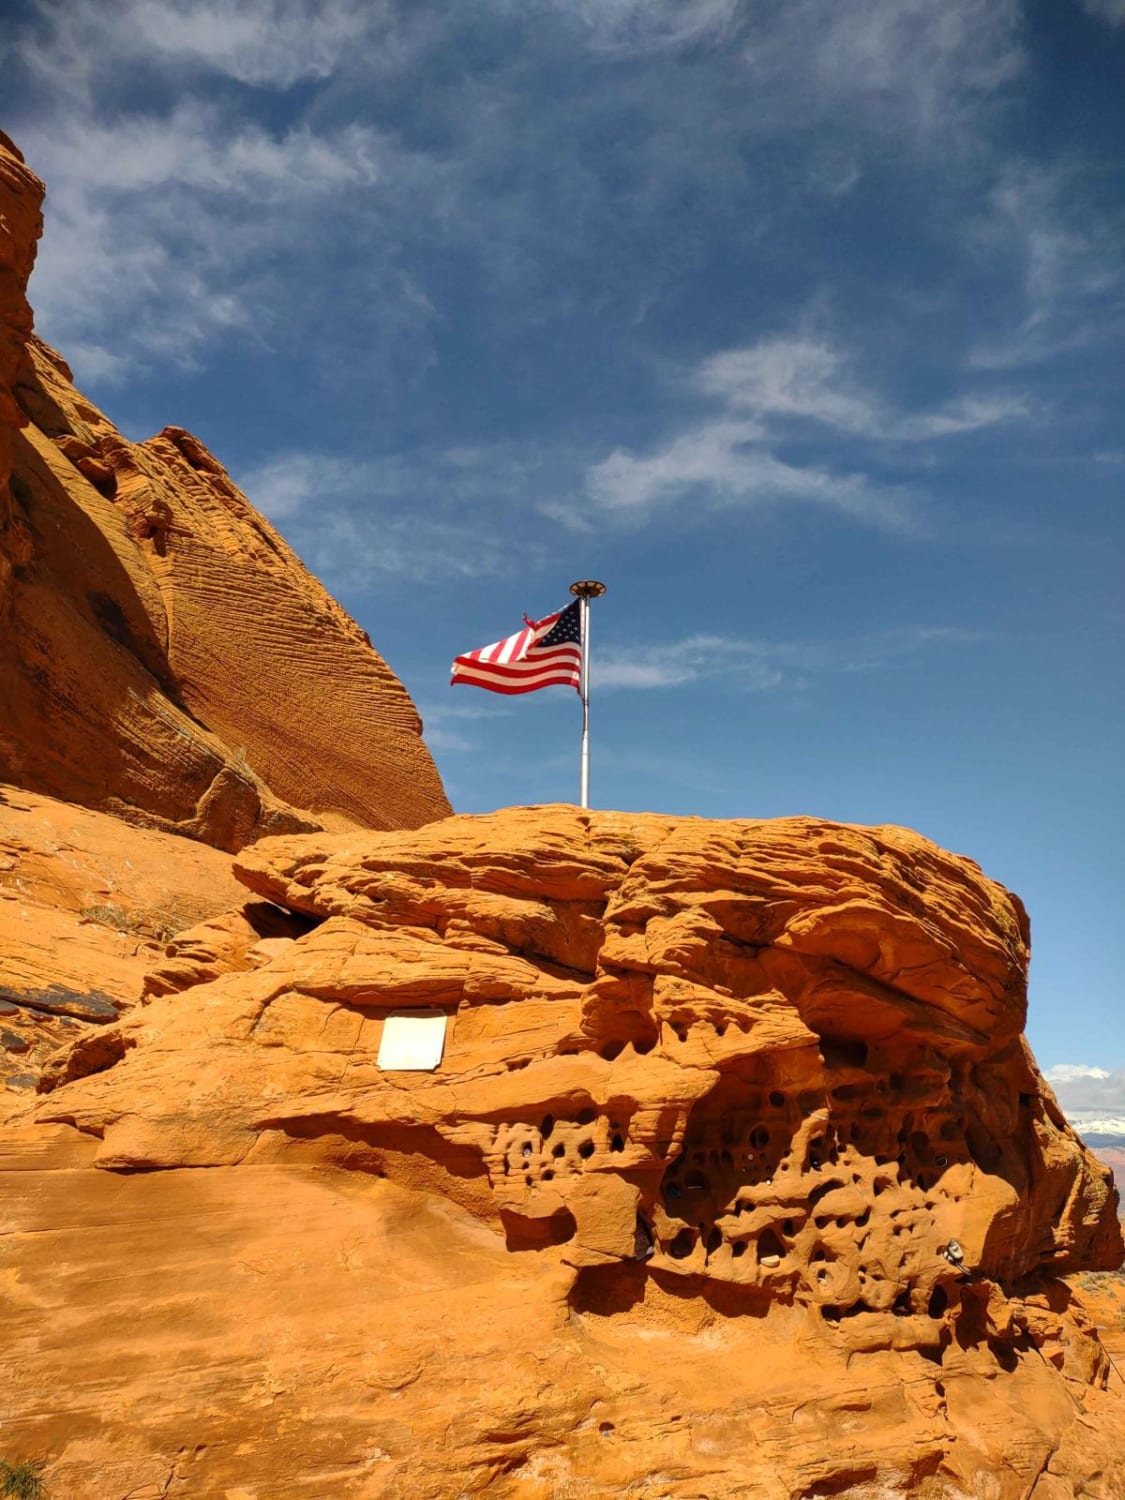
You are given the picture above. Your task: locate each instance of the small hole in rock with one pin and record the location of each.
(547, 1126)
(777, 1099)
(617, 1144)
(682, 1246)
(586, 1150)
(559, 1150)
(769, 1245)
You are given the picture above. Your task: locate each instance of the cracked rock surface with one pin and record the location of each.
(736, 1178)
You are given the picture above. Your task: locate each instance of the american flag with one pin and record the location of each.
(545, 653)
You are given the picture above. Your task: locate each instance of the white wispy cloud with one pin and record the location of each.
(1092, 1097)
(1068, 1073)
(185, 217)
(809, 379)
(444, 724)
(637, 26)
(264, 43)
(413, 516)
(722, 462)
(158, 228)
(923, 67)
(176, 225)
(1067, 248)
(491, 475)
(760, 665)
(771, 391)
(1112, 11)
(927, 67)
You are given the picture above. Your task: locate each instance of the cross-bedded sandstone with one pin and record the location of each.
(168, 657)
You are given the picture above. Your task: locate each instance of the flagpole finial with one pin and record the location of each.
(587, 588)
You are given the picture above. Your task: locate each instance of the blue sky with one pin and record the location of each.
(799, 322)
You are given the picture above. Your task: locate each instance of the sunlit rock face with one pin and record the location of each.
(735, 1141)
(168, 658)
(87, 908)
(781, 1055)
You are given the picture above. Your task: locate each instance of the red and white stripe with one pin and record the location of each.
(517, 664)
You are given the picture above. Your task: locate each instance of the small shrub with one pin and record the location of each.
(22, 1481)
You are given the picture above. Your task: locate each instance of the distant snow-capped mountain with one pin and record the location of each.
(1098, 1130)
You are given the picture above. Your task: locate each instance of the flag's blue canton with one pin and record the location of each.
(568, 627)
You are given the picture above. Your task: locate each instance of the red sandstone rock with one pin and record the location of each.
(21, 223)
(169, 659)
(668, 1220)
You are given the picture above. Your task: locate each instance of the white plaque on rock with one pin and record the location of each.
(412, 1041)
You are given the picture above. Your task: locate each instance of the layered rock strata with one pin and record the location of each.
(736, 1178)
(170, 659)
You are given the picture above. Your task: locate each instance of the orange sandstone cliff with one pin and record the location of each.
(167, 657)
(671, 1218)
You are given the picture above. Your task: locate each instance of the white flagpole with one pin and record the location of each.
(585, 590)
